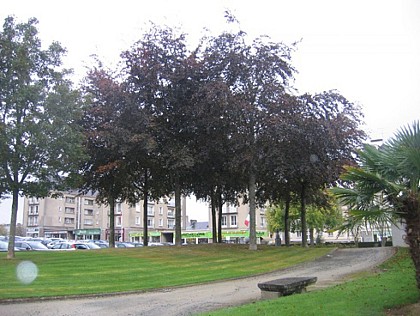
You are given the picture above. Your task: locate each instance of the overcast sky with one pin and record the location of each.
(369, 50)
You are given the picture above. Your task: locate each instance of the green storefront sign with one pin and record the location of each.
(196, 235)
(140, 234)
(93, 231)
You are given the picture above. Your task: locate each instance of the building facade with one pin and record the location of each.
(77, 216)
(72, 215)
(235, 223)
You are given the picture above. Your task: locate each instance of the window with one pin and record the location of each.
(88, 222)
(70, 199)
(33, 221)
(160, 210)
(233, 221)
(160, 222)
(137, 220)
(33, 209)
(171, 223)
(68, 220)
(69, 210)
(88, 212)
(224, 221)
(33, 200)
(171, 213)
(118, 208)
(263, 222)
(150, 210)
(88, 202)
(118, 221)
(150, 222)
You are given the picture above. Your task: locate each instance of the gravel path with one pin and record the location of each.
(331, 269)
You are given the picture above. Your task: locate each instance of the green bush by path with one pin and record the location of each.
(137, 269)
(393, 286)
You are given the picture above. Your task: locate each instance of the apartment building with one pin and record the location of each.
(77, 216)
(235, 223)
(72, 215)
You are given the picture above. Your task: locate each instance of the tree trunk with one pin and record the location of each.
(412, 229)
(220, 208)
(287, 221)
(145, 216)
(13, 219)
(303, 216)
(178, 239)
(112, 222)
(356, 237)
(311, 236)
(252, 219)
(213, 217)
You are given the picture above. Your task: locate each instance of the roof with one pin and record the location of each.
(198, 226)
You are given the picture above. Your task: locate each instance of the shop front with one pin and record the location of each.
(236, 237)
(88, 234)
(241, 236)
(196, 237)
(137, 236)
(64, 234)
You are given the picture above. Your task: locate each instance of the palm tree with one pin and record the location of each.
(387, 179)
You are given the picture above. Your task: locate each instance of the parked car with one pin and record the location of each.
(124, 245)
(4, 246)
(30, 245)
(65, 246)
(54, 242)
(154, 244)
(90, 245)
(72, 245)
(101, 243)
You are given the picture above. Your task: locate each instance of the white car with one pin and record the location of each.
(4, 246)
(74, 246)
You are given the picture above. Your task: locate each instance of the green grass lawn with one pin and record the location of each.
(392, 286)
(137, 269)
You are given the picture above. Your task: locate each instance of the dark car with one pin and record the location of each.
(30, 245)
(89, 245)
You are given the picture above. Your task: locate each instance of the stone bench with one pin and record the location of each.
(286, 286)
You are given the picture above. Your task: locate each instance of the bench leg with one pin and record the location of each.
(267, 295)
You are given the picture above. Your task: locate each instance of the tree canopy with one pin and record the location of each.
(386, 183)
(40, 139)
(221, 120)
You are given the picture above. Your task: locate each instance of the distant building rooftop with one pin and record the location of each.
(194, 225)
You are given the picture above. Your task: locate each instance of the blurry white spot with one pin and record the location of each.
(26, 272)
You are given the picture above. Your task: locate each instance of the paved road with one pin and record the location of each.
(330, 270)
